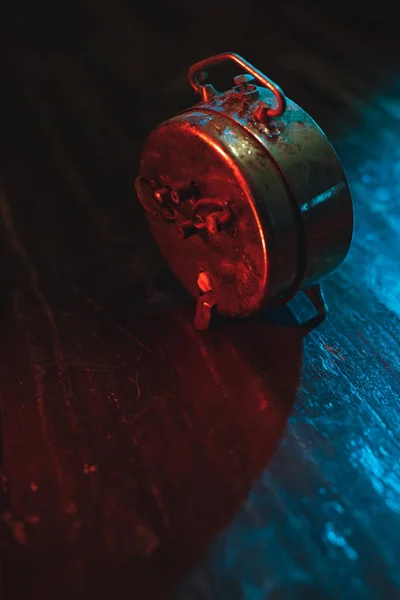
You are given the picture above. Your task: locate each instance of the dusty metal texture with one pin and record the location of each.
(311, 170)
(268, 211)
(256, 253)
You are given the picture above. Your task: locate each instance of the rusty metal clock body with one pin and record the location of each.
(245, 196)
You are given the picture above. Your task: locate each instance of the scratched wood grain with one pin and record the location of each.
(138, 457)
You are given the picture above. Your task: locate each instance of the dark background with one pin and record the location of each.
(140, 458)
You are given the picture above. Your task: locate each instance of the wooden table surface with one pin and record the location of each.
(141, 459)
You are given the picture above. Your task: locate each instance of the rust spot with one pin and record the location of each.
(89, 468)
(16, 527)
